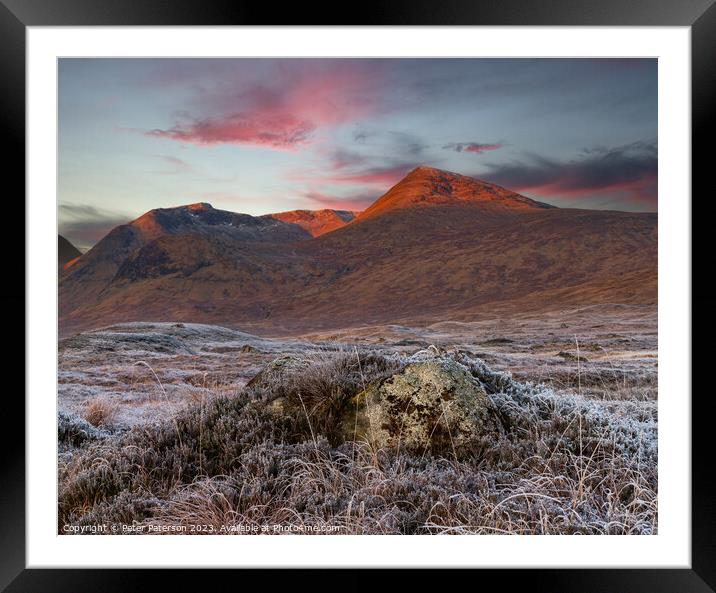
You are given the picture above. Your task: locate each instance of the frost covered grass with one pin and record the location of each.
(562, 464)
(605, 381)
(74, 431)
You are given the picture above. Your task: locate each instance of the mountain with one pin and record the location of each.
(437, 246)
(316, 222)
(166, 238)
(426, 187)
(67, 253)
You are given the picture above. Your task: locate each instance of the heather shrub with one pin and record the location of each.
(74, 431)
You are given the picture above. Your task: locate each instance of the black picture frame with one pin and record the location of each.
(16, 15)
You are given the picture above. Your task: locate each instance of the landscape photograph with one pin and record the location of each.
(352, 296)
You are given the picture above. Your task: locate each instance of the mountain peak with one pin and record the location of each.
(426, 172)
(316, 222)
(427, 186)
(202, 218)
(427, 169)
(181, 207)
(199, 206)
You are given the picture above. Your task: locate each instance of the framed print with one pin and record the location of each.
(396, 294)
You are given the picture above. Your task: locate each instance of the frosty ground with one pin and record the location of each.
(158, 427)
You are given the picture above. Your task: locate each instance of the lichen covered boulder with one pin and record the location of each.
(435, 404)
(430, 402)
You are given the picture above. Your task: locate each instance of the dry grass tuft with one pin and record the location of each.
(100, 412)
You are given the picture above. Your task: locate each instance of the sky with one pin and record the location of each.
(261, 135)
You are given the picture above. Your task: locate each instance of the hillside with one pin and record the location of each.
(187, 227)
(436, 246)
(66, 252)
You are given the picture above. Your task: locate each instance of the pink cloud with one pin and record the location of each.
(283, 115)
(641, 191)
(334, 95)
(277, 131)
(630, 170)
